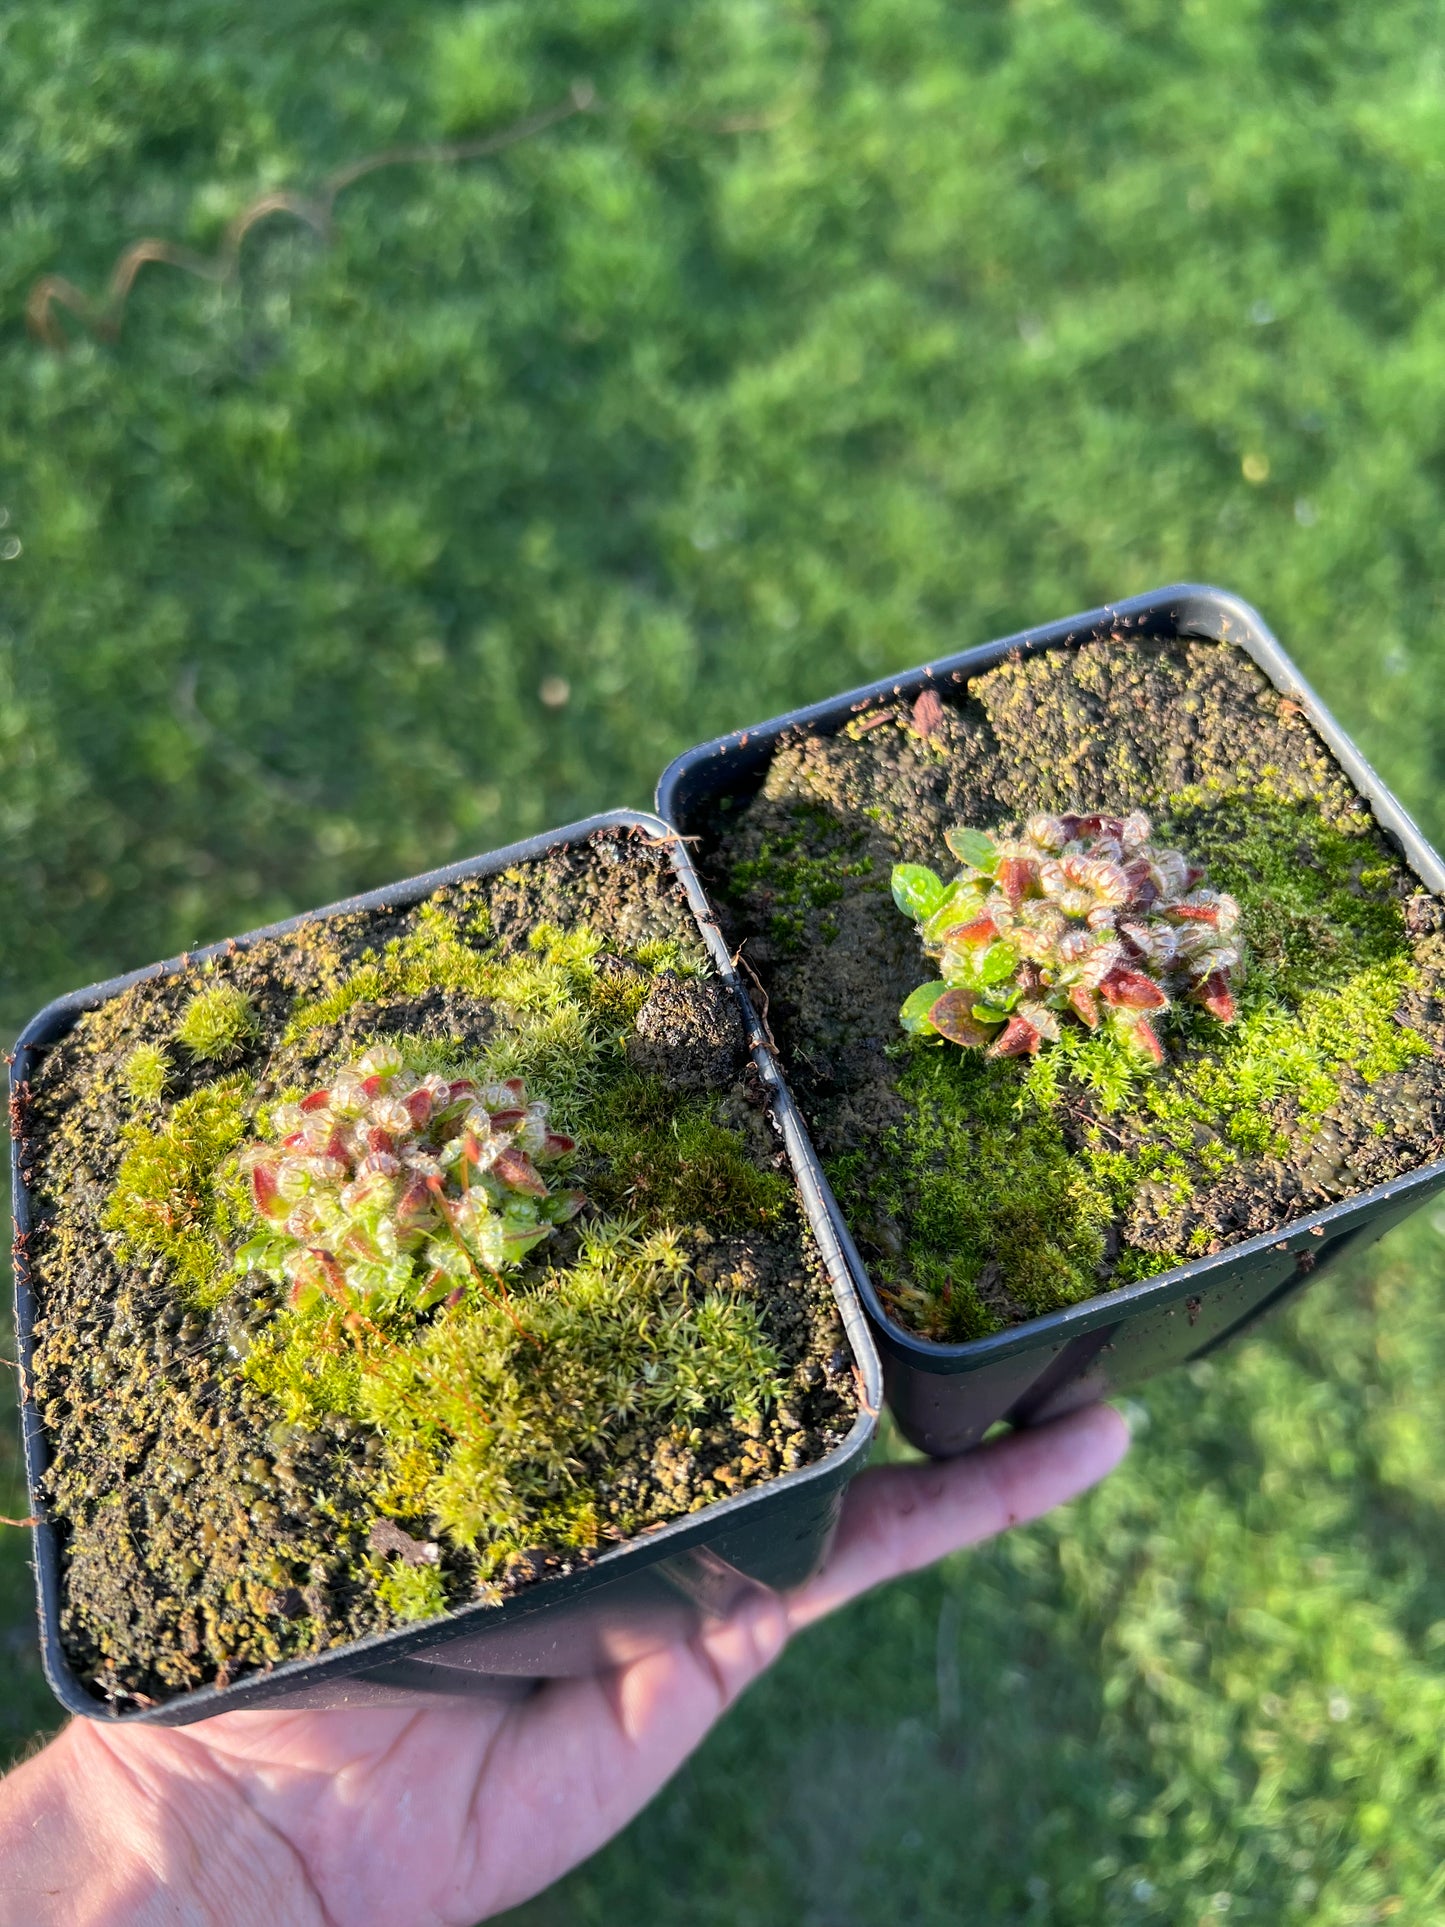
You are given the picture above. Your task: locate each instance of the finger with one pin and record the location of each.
(899, 1517)
(614, 1741)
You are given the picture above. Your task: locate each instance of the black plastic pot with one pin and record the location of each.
(945, 1397)
(631, 1600)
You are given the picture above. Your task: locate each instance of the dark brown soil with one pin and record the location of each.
(1172, 727)
(200, 1539)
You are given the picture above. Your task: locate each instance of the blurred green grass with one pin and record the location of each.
(833, 339)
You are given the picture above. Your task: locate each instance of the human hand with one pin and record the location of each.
(440, 1816)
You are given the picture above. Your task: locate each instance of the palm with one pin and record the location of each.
(451, 1813)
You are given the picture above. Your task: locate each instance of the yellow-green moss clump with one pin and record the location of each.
(217, 1024)
(145, 1074)
(495, 1414)
(174, 1198)
(798, 884)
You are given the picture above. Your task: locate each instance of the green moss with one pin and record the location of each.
(217, 1024)
(171, 1199)
(412, 1592)
(444, 951)
(145, 1073)
(795, 883)
(309, 1367)
(1318, 903)
(366, 984)
(495, 1418)
(992, 1174)
(670, 1158)
(666, 953)
(564, 1016)
(1356, 1024)
(993, 1205)
(1135, 1266)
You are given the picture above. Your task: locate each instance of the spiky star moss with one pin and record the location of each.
(217, 1024)
(174, 1198)
(145, 1073)
(1009, 1191)
(495, 1417)
(222, 1466)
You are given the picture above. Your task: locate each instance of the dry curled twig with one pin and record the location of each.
(103, 318)
(649, 842)
(316, 211)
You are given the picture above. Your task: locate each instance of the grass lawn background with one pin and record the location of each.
(831, 340)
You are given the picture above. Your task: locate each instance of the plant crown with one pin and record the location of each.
(1078, 914)
(386, 1188)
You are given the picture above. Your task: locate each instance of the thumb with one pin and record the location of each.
(897, 1518)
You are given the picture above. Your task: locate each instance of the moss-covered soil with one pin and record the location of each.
(238, 1481)
(986, 1192)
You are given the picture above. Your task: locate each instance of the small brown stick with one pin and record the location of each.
(764, 1013)
(864, 1406)
(33, 1520)
(928, 714)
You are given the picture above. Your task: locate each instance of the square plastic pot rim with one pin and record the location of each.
(1184, 610)
(654, 1543)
